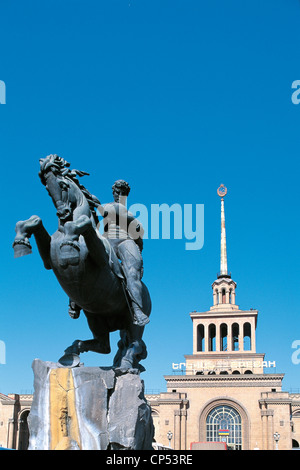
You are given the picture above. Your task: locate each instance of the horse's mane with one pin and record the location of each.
(61, 168)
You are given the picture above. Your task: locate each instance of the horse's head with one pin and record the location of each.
(52, 163)
(64, 188)
(52, 174)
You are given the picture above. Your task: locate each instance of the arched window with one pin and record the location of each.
(200, 338)
(223, 337)
(235, 337)
(247, 336)
(224, 424)
(212, 337)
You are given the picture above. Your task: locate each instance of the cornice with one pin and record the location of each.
(224, 356)
(275, 401)
(217, 310)
(202, 381)
(223, 281)
(5, 400)
(161, 401)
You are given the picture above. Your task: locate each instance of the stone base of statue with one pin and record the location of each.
(88, 408)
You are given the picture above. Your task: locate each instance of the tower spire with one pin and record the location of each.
(222, 191)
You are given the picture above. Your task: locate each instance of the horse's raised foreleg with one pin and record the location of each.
(24, 230)
(83, 226)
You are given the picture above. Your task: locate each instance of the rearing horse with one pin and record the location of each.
(85, 265)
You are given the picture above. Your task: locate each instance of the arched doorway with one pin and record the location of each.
(295, 444)
(225, 412)
(23, 440)
(224, 424)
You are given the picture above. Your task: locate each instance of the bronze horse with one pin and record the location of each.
(86, 267)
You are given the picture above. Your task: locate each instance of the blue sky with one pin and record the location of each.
(176, 97)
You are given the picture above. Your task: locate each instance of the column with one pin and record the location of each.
(270, 430)
(195, 337)
(177, 430)
(229, 337)
(264, 426)
(241, 337)
(206, 337)
(253, 341)
(227, 296)
(19, 433)
(267, 429)
(218, 339)
(215, 295)
(10, 433)
(183, 429)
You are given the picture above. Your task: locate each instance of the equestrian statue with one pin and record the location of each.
(100, 273)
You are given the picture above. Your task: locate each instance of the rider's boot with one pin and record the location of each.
(139, 317)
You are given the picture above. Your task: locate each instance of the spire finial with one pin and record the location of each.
(222, 191)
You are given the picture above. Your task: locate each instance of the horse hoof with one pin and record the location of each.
(125, 370)
(121, 371)
(69, 360)
(21, 248)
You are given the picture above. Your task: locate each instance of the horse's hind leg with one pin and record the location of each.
(132, 350)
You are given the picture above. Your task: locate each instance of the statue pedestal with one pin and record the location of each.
(88, 408)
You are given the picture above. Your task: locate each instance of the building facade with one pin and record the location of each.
(225, 394)
(14, 411)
